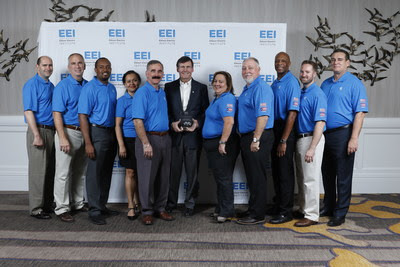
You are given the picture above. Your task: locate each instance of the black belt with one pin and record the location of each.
(73, 127)
(158, 133)
(45, 126)
(338, 128)
(102, 127)
(304, 135)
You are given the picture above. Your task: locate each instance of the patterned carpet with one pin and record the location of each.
(370, 237)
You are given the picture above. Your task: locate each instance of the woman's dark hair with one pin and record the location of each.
(131, 72)
(228, 79)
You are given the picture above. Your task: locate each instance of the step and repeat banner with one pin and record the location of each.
(130, 45)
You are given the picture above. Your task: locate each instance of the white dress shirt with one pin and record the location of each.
(185, 89)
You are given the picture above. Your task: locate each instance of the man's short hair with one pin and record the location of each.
(312, 63)
(102, 58)
(184, 59)
(346, 54)
(75, 54)
(153, 62)
(254, 59)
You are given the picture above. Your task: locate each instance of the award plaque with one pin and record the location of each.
(186, 120)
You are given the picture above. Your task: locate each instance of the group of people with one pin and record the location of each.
(157, 132)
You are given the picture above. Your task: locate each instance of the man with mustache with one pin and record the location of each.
(96, 110)
(153, 145)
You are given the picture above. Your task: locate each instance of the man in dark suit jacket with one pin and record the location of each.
(187, 101)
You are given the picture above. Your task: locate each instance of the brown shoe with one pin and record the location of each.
(66, 217)
(163, 215)
(147, 219)
(304, 223)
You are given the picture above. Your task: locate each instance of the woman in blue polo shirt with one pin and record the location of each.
(126, 134)
(222, 143)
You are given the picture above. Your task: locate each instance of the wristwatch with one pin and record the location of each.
(282, 141)
(255, 140)
(222, 142)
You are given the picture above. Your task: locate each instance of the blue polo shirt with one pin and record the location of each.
(313, 108)
(65, 99)
(37, 95)
(98, 101)
(124, 110)
(150, 105)
(223, 106)
(346, 97)
(286, 95)
(256, 100)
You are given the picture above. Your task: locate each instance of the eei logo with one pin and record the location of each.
(241, 55)
(193, 55)
(269, 78)
(92, 55)
(168, 77)
(141, 55)
(116, 33)
(116, 77)
(268, 37)
(66, 33)
(166, 36)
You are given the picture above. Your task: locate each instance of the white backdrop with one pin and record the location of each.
(130, 45)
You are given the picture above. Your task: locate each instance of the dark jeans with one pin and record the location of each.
(222, 167)
(257, 167)
(337, 172)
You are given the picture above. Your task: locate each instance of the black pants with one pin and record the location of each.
(99, 170)
(283, 170)
(337, 171)
(222, 167)
(257, 167)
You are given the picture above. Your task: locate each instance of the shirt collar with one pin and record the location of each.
(253, 84)
(187, 83)
(127, 95)
(308, 89)
(98, 82)
(40, 79)
(344, 77)
(285, 77)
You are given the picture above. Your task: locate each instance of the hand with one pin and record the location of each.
(64, 145)
(147, 151)
(193, 127)
(309, 157)
(122, 152)
(90, 151)
(281, 150)
(38, 141)
(254, 147)
(221, 149)
(352, 145)
(176, 127)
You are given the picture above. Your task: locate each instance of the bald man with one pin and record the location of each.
(286, 90)
(37, 99)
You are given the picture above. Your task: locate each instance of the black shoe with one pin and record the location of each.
(242, 214)
(281, 218)
(134, 217)
(336, 221)
(325, 212)
(250, 221)
(188, 212)
(109, 212)
(99, 220)
(297, 215)
(41, 215)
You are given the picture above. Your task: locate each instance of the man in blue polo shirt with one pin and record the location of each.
(37, 95)
(96, 110)
(256, 119)
(310, 143)
(70, 148)
(286, 94)
(153, 145)
(347, 105)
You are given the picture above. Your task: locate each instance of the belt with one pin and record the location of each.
(102, 127)
(45, 126)
(304, 135)
(158, 133)
(73, 127)
(338, 128)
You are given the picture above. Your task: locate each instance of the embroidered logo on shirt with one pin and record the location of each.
(322, 112)
(295, 101)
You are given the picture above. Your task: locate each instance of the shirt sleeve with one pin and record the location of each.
(263, 101)
(227, 107)
(29, 95)
(139, 105)
(293, 96)
(120, 109)
(359, 98)
(86, 101)
(59, 99)
(320, 107)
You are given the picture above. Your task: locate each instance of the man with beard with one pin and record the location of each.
(96, 110)
(187, 101)
(256, 119)
(310, 143)
(70, 149)
(153, 145)
(37, 96)
(286, 94)
(347, 106)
